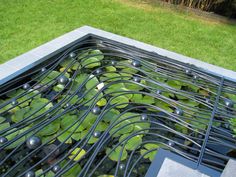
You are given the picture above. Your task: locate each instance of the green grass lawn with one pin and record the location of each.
(25, 24)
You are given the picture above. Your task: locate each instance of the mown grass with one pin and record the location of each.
(25, 24)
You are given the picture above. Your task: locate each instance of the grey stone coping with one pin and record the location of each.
(230, 169)
(169, 164)
(26, 61)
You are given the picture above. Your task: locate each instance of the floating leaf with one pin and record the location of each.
(14, 93)
(120, 100)
(75, 156)
(110, 68)
(76, 136)
(98, 53)
(91, 62)
(129, 70)
(13, 134)
(59, 87)
(102, 102)
(102, 126)
(19, 114)
(92, 140)
(151, 155)
(135, 86)
(73, 171)
(181, 128)
(50, 76)
(68, 120)
(138, 98)
(4, 126)
(174, 84)
(81, 78)
(122, 127)
(109, 77)
(50, 129)
(141, 126)
(65, 137)
(92, 83)
(131, 143)
(49, 139)
(126, 76)
(190, 102)
(115, 154)
(111, 115)
(2, 119)
(163, 105)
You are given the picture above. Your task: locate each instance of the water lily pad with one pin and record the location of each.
(50, 129)
(110, 115)
(73, 171)
(91, 62)
(151, 155)
(77, 154)
(2, 119)
(102, 102)
(131, 143)
(135, 86)
(110, 68)
(120, 100)
(14, 93)
(68, 120)
(4, 126)
(109, 77)
(92, 83)
(174, 84)
(98, 54)
(122, 127)
(115, 154)
(139, 98)
(65, 137)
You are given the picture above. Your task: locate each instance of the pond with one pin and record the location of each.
(105, 110)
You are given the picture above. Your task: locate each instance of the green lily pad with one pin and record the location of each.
(110, 68)
(174, 84)
(131, 143)
(68, 120)
(109, 77)
(12, 135)
(92, 83)
(91, 62)
(115, 154)
(2, 119)
(135, 86)
(120, 100)
(50, 129)
(102, 102)
(163, 105)
(98, 53)
(20, 114)
(151, 155)
(14, 93)
(4, 126)
(74, 171)
(122, 128)
(77, 136)
(59, 87)
(63, 137)
(75, 156)
(139, 98)
(110, 115)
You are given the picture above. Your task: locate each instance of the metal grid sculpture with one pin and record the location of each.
(103, 109)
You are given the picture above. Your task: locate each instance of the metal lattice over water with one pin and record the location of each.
(104, 109)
